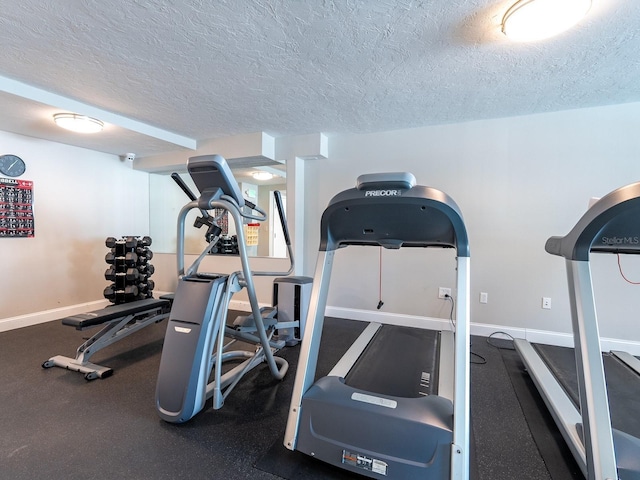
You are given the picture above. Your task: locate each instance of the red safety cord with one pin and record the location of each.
(380, 302)
(622, 273)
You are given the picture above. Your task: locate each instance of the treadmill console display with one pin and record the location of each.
(390, 210)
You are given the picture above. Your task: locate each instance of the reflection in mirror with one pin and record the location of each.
(166, 199)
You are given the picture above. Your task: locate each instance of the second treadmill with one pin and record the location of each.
(610, 226)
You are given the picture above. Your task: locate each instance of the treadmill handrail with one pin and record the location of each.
(609, 226)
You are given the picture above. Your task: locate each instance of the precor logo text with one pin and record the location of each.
(382, 193)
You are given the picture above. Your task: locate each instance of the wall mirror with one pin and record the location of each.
(257, 184)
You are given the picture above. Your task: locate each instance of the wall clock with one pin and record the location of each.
(12, 165)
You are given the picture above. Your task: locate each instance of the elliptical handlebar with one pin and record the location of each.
(220, 190)
(262, 215)
(185, 188)
(206, 218)
(283, 220)
(187, 191)
(285, 230)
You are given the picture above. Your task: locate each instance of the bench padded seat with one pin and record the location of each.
(114, 312)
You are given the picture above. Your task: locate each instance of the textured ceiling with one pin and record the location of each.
(205, 69)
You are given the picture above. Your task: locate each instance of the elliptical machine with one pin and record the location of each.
(194, 344)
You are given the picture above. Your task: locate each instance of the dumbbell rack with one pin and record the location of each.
(129, 269)
(227, 245)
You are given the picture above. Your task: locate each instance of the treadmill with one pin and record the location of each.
(611, 225)
(396, 405)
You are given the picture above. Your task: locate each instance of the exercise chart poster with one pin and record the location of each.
(16, 208)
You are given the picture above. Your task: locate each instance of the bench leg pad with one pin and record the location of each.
(91, 370)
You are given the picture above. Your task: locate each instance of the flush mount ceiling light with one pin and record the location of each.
(262, 176)
(529, 20)
(78, 123)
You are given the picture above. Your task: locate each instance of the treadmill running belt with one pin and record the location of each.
(399, 361)
(623, 385)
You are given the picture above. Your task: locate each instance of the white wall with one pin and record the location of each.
(517, 181)
(80, 198)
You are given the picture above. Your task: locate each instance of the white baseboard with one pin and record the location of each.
(432, 323)
(243, 305)
(498, 331)
(480, 329)
(566, 340)
(29, 319)
(549, 338)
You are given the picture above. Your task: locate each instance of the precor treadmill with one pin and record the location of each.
(611, 225)
(397, 404)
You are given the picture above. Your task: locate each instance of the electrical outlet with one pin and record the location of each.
(546, 303)
(484, 297)
(443, 292)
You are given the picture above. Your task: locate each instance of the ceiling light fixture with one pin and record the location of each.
(78, 123)
(262, 176)
(529, 20)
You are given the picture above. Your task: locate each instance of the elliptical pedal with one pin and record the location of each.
(246, 323)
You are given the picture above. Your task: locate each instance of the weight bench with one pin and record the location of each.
(119, 321)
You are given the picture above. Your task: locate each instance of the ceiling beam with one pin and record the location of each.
(29, 92)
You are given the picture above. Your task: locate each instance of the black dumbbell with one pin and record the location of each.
(131, 274)
(144, 274)
(131, 242)
(145, 241)
(130, 258)
(119, 296)
(110, 274)
(112, 242)
(131, 290)
(147, 286)
(110, 293)
(146, 269)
